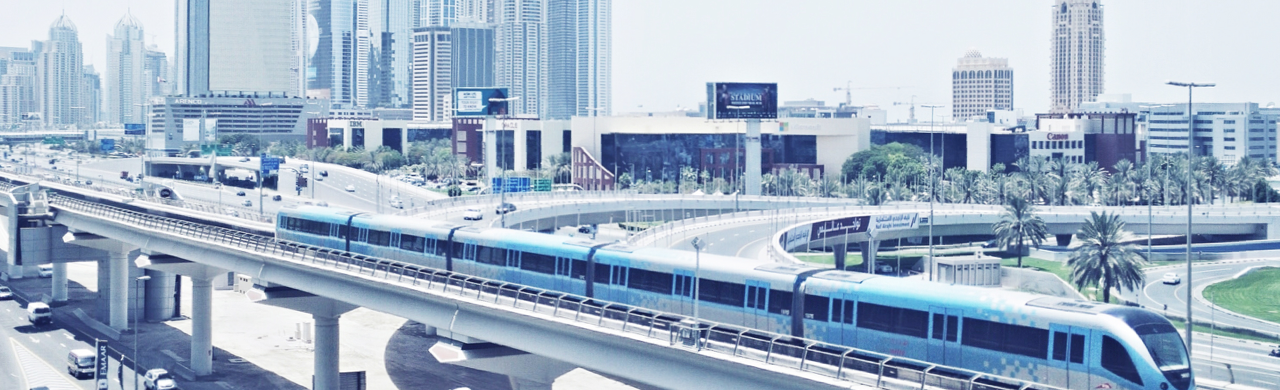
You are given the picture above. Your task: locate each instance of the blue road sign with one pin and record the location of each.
(107, 145)
(268, 164)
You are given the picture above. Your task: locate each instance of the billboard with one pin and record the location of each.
(839, 227)
(742, 100)
(476, 102)
(891, 222)
(107, 145)
(191, 129)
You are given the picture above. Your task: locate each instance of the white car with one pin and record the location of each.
(883, 268)
(246, 203)
(158, 379)
(5, 293)
(1171, 278)
(473, 215)
(351, 188)
(46, 270)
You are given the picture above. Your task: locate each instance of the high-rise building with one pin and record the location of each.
(522, 55)
(389, 79)
(234, 47)
(17, 84)
(446, 58)
(127, 88)
(91, 96)
(156, 68)
(1079, 47)
(979, 84)
(579, 38)
(59, 70)
(444, 13)
(341, 60)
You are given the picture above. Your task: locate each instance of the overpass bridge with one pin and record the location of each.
(642, 345)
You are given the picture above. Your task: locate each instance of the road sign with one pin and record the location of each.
(107, 145)
(269, 164)
(542, 185)
(54, 141)
(135, 129)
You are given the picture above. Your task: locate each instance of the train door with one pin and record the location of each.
(756, 306)
(944, 336)
(682, 291)
(1068, 356)
(512, 269)
(618, 281)
(563, 278)
(841, 329)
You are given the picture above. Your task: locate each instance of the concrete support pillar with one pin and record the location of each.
(869, 249)
(326, 369)
(160, 296)
(59, 292)
(118, 278)
(841, 251)
(752, 170)
(527, 384)
(1063, 239)
(202, 325)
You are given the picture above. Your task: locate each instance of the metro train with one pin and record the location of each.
(1068, 343)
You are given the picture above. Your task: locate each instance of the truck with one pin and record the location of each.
(124, 175)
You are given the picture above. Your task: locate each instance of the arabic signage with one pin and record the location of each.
(839, 227)
(891, 222)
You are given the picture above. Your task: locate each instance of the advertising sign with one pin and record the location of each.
(100, 371)
(742, 100)
(891, 222)
(473, 102)
(839, 227)
(796, 237)
(107, 145)
(135, 129)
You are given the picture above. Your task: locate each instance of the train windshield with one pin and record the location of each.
(1166, 348)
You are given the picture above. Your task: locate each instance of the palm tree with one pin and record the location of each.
(1103, 260)
(1018, 223)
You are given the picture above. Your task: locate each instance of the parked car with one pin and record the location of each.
(473, 215)
(81, 362)
(351, 188)
(5, 293)
(1171, 278)
(46, 270)
(276, 198)
(505, 208)
(883, 268)
(158, 379)
(39, 313)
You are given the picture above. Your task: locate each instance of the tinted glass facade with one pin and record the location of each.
(955, 145)
(660, 156)
(1007, 148)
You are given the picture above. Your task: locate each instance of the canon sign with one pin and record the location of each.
(1057, 137)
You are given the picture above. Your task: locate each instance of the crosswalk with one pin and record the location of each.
(37, 372)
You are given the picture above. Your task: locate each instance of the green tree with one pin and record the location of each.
(1103, 259)
(1019, 223)
(893, 162)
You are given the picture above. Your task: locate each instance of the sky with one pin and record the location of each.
(664, 51)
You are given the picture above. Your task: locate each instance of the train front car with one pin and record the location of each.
(1160, 358)
(311, 225)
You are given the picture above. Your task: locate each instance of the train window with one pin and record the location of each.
(683, 284)
(842, 311)
(537, 262)
(618, 276)
(491, 256)
(562, 266)
(1115, 358)
(725, 293)
(428, 245)
(908, 322)
(602, 273)
(939, 322)
(780, 302)
(815, 307)
(953, 328)
(579, 270)
(651, 281)
(305, 226)
(379, 238)
(1077, 348)
(411, 243)
(1015, 339)
(756, 296)
(342, 231)
(513, 260)
(1059, 346)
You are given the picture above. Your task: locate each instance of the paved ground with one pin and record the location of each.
(257, 346)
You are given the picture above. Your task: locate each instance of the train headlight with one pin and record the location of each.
(1164, 386)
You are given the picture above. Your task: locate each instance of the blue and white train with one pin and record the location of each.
(1060, 342)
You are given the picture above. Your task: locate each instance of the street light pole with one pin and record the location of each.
(136, 285)
(697, 268)
(932, 191)
(1191, 143)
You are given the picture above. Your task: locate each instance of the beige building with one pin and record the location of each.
(979, 84)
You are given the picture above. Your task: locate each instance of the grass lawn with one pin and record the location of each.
(1053, 267)
(1182, 325)
(1256, 294)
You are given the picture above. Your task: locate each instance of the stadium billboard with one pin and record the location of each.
(742, 100)
(474, 102)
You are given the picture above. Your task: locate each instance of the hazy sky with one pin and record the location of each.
(665, 51)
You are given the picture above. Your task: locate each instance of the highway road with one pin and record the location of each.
(33, 356)
(1155, 294)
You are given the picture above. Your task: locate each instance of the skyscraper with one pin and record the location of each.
(1079, 46)
(446, 58)
(341, 60)
(91, 96)
(579, 43)
(444, 13)
(522, 55)
(390, 85)
(127, 87)
(234, 47)
(59, 69)
(17, 84)
(156, 69)
(979, 84)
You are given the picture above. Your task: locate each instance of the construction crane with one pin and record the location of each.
(912, 111)
(848, 91)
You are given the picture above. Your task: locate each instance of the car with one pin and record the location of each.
(1275, 352)
(324, 173)
(239, 193)
(883, 268)
(505, 208)
(246, 203)
(351, 188)
(158, 379)
(80, 362)
(46, 270)
(5, 293)
(244, 159)
(473, 215)
(88, 182)
(39, 313)
(1171, 278)
(276, 198)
